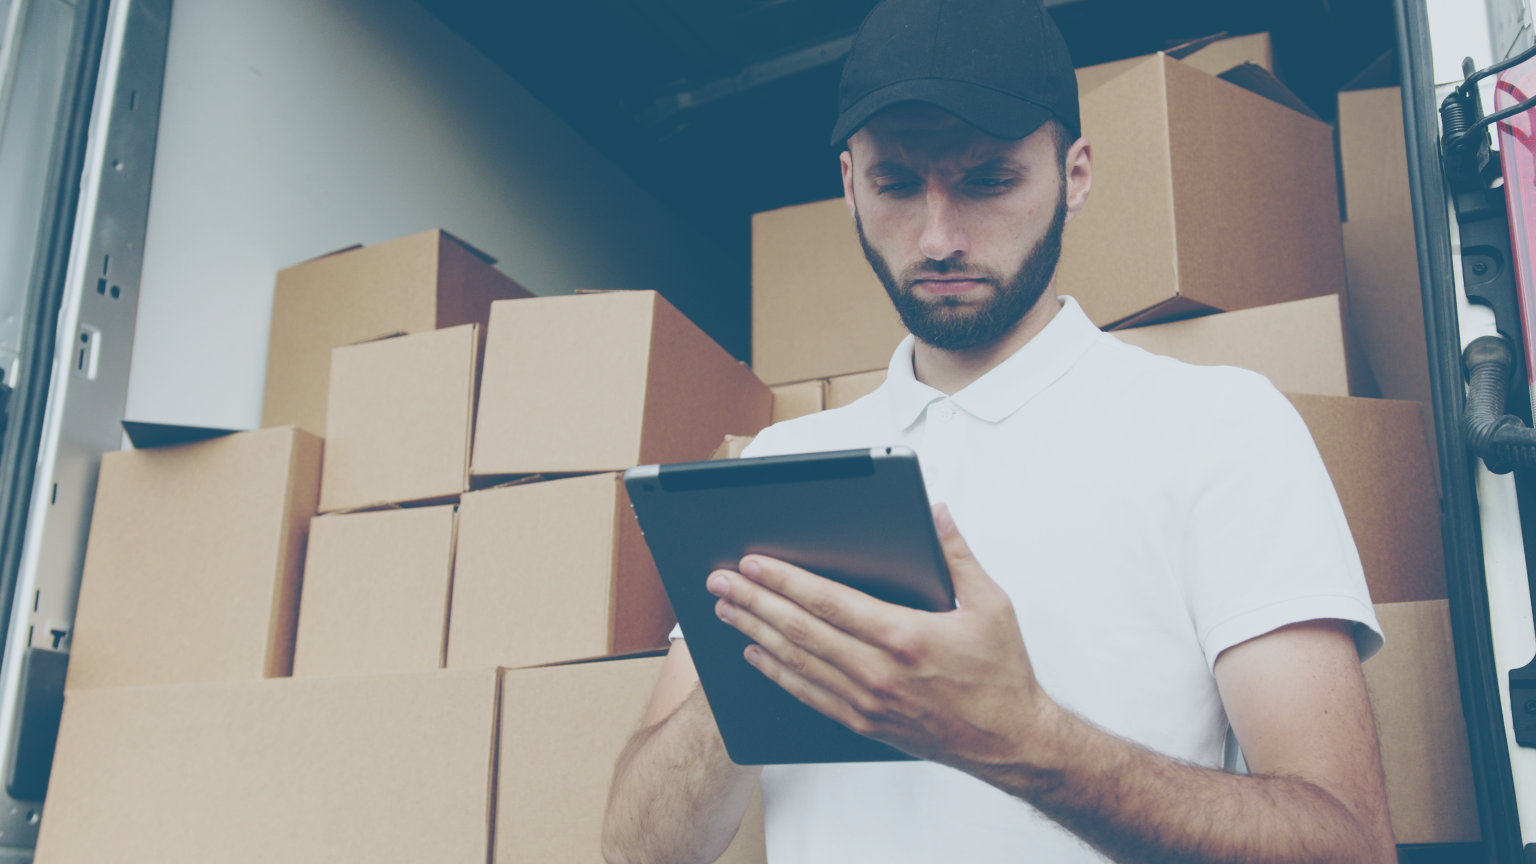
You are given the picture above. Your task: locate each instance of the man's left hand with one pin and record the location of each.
(953, 687)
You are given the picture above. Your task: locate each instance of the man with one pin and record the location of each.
(1154, 549)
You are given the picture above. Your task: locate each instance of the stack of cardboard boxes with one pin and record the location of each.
(407, 675)
(361, 684)
(1213, 235)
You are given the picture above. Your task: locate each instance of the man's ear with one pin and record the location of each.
(846, 160)
(1078, 173)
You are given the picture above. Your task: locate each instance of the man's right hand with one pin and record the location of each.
(676, 795)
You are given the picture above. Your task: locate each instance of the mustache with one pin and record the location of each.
(956, 267)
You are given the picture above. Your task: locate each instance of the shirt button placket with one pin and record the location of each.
(942, 448)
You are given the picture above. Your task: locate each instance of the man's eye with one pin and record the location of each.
(896, 187)
(989, 185)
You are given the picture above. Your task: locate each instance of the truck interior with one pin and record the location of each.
(629, 143)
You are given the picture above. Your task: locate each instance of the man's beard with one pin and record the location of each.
(951, 323)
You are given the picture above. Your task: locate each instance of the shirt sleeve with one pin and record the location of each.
(1266, 543)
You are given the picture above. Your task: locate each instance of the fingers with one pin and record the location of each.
(965, 573)
(801, 637)
(852, 611)
(776, 651)
(818, 697)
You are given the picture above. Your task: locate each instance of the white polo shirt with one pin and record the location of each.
(1143, 514)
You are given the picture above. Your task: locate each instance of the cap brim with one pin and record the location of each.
(996, 113)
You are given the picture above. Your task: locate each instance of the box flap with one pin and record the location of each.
(1257, 79)
(142, 435)
(471, 249)
(328, 254)
(1381, 72)
(1182, 50)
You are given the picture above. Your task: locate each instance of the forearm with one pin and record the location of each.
(1138, 806)
(676, 795)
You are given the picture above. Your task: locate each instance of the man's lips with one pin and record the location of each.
(948, 285)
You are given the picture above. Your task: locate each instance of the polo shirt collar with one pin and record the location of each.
(1006, 387)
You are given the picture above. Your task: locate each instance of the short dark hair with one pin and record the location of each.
(1063, 139)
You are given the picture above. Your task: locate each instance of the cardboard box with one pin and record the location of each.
(386, 768)
(1417, 702)
(1380, 249)
(818, 309)
(375, 594)
(603, 382)
(551, 572)
(562, 730)
(798, 399)
(731, 447)
(846, 389)
(1211, 56)
(426, 281)
(1376, 453)
(401, 416)
(1373, 155)
(1304, 346)
(1205, 196)
(192, 568)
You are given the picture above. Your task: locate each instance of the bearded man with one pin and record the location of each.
(1153, 553)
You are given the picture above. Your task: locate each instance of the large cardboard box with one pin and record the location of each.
(377, 768)
(192, 568)
(798, 399)
(553, 571)
(562, 730)
(1376, 453)
(375, 596)
(603, 382)
(401, 417)
(1205, 196)
(1211, 56)
(1304, 346)
(426, 281)
(846, 389)
(1417, 702)
(1380, 249)
(817, 308)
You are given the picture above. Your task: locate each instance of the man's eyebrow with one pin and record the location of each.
(886, 168)
(997, 163)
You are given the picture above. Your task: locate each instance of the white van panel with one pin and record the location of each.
(290, 128)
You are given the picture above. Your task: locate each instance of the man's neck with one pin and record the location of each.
(949, 372)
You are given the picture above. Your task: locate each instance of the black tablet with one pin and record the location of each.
(860, 517)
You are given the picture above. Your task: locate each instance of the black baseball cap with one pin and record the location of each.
(999, 65)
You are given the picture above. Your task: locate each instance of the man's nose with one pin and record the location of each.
(943, 235)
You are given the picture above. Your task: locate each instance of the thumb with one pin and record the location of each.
(971, 582)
